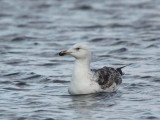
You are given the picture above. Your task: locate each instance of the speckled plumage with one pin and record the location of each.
(107, 76)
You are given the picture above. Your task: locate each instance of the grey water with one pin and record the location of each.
(34, 79)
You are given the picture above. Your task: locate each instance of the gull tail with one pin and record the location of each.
(120, 69)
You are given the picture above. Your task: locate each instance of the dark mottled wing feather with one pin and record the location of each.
(106, 76)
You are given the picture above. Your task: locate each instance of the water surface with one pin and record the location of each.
(34, 79)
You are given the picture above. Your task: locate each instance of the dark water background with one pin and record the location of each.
(34, 79)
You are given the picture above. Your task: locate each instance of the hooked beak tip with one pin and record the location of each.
(62, 53)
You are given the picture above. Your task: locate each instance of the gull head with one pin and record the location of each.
(79, 51)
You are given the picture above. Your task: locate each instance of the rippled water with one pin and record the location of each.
(34, 79)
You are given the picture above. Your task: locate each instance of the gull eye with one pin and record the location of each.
(77, 49)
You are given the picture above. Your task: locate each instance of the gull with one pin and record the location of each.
(85, 80)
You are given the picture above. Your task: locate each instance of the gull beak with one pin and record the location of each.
(62, 53)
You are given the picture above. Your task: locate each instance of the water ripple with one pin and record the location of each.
(34, 80)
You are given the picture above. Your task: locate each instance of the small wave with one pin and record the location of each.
(116, 25)
(144, 77)
(60, 81)
(153, 46)
(15, 89)
(120, 43)
(121, 50)
(11, 74)
(20, 83)
(32, 77)
(23, 38)
(48, 64)
(83, 7)
(14, 61)
(97, 39)
(152, 39)
(5, 82)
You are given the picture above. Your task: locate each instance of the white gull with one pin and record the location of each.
(86, 80)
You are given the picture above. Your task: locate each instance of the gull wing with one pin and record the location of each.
(106, 76)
